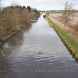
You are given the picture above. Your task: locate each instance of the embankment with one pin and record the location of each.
(68, 41)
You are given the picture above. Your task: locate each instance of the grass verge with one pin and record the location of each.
(69, 42)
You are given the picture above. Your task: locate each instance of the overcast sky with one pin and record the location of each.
(42, 4)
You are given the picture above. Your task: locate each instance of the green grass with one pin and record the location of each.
(69, 42)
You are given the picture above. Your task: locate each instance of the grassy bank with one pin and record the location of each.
(69, 42)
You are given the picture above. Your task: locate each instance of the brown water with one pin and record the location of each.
(37, 53)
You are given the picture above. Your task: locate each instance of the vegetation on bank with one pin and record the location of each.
(69, 42)
(14, 18)
(35, 14)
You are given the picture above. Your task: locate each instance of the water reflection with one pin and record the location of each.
(14, 42)
(18, 38)
(3, 67)
(7, 48)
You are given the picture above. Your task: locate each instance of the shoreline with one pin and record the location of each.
(70, 43)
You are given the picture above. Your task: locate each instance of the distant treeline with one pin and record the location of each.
(12, 18)
(59, 11)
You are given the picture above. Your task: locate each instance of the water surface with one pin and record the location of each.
(37, 53)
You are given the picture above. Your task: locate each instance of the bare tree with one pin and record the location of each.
(67, 14)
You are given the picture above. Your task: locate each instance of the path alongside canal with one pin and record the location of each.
(40, 50)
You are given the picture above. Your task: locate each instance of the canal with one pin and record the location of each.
(37, 53)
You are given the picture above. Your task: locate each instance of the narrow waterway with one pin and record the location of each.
(38, 50)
